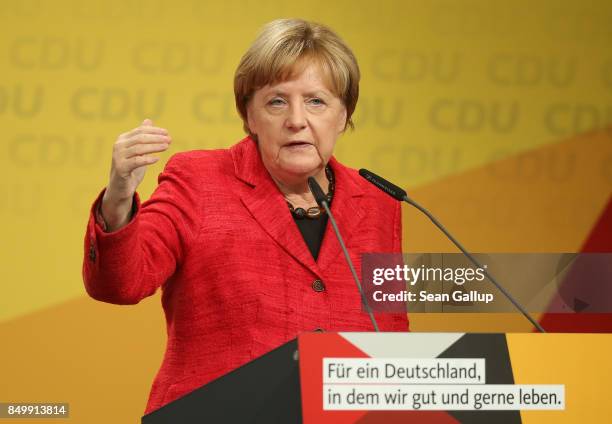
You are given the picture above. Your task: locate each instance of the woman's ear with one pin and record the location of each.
(250, 122)
(342, 122)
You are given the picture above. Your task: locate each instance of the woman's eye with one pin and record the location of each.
(316, 101)
(276, 102)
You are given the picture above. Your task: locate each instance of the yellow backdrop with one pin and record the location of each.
(495, 115)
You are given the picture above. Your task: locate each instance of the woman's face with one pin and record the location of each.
(297, 123)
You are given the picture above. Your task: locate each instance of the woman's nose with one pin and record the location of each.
(296, 119)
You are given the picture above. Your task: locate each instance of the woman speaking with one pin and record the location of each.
(244, 257)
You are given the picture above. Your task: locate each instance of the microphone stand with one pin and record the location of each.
(322, 201)
(399, 194)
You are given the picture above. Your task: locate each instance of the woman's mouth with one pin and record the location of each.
(298, 145)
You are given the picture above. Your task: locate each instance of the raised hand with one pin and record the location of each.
(132, 153)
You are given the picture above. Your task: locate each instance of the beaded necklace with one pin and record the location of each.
(315, 212)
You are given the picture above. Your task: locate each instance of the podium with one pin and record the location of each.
(286, 384)
(266, 390)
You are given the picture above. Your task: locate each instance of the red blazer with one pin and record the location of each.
(237, 277)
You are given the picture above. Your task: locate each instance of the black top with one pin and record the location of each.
(312, 230)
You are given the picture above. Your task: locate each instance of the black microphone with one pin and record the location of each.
(317, 192)
(391, 189)
(399, 194)
(321, 199)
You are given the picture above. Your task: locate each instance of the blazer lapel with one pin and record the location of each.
(266, 204)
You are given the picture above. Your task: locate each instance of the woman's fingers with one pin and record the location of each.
(144, 149)
(144, 129)
(140, 161)
(142, 139)
(136, 148)
(125, 166)
(133, 151)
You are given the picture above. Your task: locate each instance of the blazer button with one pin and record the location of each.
(319, 330)
(318, 286)
(92, 253)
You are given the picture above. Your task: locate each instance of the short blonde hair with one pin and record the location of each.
(283, 48)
